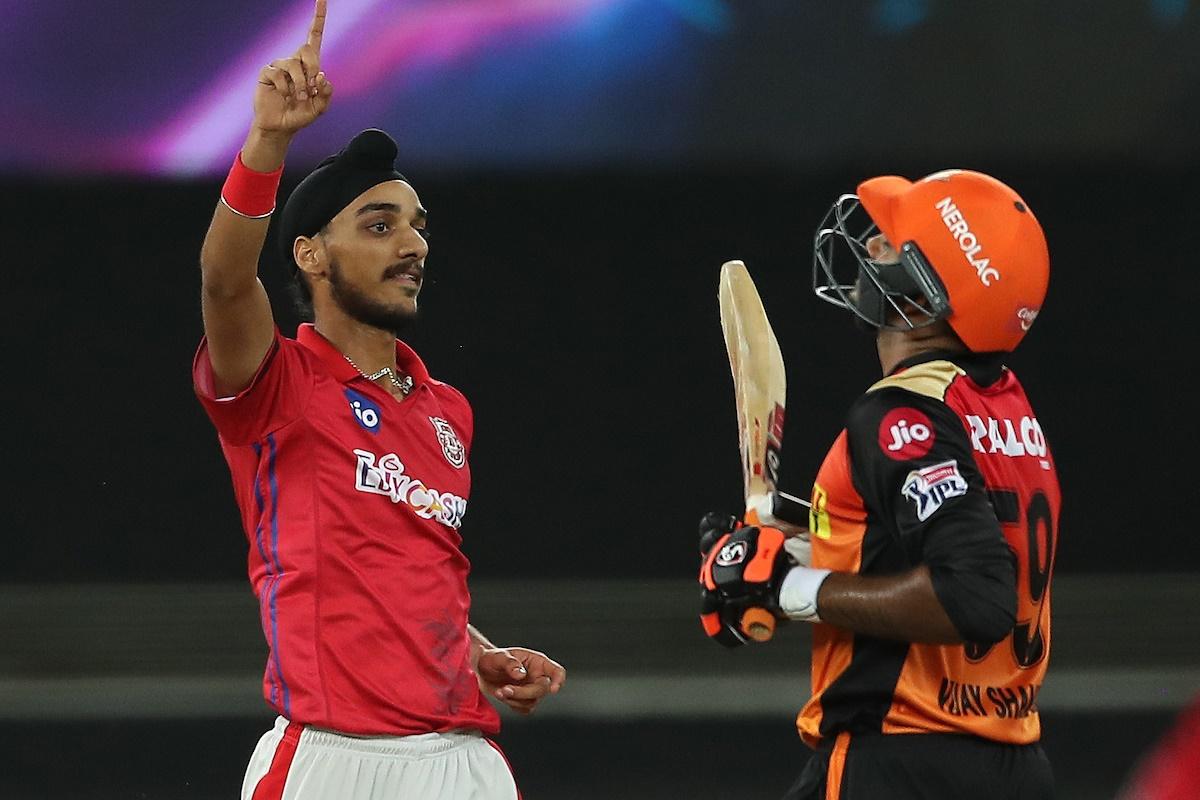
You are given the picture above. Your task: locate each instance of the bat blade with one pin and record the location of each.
(760, 387)
(760, 392)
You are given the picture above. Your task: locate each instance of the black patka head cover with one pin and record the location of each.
(367, 160)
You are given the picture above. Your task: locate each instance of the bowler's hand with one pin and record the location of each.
(519, 677)
(293, 91)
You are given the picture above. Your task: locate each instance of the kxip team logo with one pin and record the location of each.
(452, 448)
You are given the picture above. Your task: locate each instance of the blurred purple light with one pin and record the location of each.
(208, 131)
(360, 49)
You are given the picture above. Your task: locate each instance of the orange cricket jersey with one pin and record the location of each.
(943, 463)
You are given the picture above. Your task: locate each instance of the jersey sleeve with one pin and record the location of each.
(912, 464)
(277, 395)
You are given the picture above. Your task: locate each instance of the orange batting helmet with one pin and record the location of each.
(971, 252)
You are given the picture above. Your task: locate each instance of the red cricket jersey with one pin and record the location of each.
(351, 502)
(1170, 768)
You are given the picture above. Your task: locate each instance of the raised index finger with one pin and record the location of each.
(318, 26)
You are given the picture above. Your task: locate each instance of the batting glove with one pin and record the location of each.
(718, 625)
(743, 567)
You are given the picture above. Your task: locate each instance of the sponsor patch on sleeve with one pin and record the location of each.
(905, 433)
(928, 488)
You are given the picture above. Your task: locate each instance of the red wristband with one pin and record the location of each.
(249, 193)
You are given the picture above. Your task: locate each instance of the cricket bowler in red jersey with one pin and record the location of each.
(350, 469)
(1170, 768)
(926, 564)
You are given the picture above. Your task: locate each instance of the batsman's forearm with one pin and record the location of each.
(903, 607)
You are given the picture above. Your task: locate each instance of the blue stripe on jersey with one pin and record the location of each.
(274, 492)
(259, 504)
(265, 594)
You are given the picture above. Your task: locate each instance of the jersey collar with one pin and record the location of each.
(406, 358)
(983, 368)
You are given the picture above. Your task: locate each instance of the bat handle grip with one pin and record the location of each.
(758, 624)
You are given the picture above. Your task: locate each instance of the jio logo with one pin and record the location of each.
(365, 412)
(905, 433)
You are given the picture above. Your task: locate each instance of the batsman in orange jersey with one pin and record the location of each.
(925, 569)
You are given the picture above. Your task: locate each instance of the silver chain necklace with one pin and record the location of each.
(404, 384)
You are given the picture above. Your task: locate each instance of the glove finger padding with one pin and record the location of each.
(713, 526)
(715, 617)
(718, 618)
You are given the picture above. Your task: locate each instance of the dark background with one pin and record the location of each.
(587, 173)
(578, 312)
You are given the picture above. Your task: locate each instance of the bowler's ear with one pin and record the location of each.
(309, 252)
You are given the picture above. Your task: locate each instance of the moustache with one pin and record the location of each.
(403, 268)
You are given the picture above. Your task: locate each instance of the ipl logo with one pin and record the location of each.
(930, 487)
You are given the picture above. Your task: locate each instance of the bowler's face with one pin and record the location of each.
(378, 242)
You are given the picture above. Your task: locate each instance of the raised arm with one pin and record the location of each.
(289, 95)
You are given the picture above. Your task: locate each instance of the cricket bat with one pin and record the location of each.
(760, 392)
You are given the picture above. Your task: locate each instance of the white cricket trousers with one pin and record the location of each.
(293, 762)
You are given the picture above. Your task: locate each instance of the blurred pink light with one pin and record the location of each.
(365, 42)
